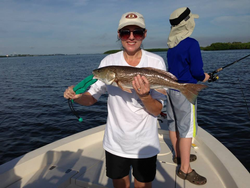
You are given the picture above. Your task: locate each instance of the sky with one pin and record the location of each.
(90, 26)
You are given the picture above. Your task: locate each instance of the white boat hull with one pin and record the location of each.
(78, 161)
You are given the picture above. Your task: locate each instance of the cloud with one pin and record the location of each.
(86, 26)
(235, 20)
(79, 2)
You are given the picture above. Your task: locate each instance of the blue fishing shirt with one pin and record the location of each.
(185, 61)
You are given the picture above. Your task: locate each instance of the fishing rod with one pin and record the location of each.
(214, 76)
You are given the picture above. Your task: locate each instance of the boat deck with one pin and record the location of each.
(78, 161)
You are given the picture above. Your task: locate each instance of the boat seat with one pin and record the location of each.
(49, 177)
(94, 177)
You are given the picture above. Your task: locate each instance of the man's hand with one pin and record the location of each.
(212, 77)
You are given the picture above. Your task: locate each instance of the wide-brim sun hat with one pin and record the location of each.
(131, 18)
(182, 25)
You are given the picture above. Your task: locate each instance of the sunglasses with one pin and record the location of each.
(125, 34)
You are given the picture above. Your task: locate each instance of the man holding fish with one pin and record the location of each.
(131, 135)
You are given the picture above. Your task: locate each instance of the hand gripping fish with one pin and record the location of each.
(122, 76)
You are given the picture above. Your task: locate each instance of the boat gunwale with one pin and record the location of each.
(228, 167)
(232, 173)
(14, 170)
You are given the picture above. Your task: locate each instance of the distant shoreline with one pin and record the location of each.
(32, 55)
(212, 47)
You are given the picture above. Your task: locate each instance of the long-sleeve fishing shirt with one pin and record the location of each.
(185, 61)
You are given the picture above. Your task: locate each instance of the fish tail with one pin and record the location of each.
(190, 91)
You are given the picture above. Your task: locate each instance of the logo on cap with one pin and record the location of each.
(131, 16)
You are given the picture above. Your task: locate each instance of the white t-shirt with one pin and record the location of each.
(131, 131)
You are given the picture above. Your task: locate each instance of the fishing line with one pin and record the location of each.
(2, 121)
(244, 98)
(214, 77)
(73, 110)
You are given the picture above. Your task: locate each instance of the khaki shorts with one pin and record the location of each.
(181, 114)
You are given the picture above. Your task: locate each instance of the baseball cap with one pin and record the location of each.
(131, 18)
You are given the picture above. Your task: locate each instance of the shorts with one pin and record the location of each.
(181, 114)
(144, 169)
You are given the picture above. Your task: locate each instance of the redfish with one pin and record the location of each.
(122, 76)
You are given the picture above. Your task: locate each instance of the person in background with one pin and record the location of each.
(185, 62)
(131, 134)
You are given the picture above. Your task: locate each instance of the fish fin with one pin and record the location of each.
(127, 90)
(190, 91)
(123, 88)
(168, 74)
(111, 77)
(162, 91)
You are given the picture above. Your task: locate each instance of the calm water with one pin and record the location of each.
(33, 111)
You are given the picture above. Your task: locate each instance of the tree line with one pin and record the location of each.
(227, 46)
(213, 46)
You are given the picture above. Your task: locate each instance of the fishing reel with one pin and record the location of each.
(212, 77)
